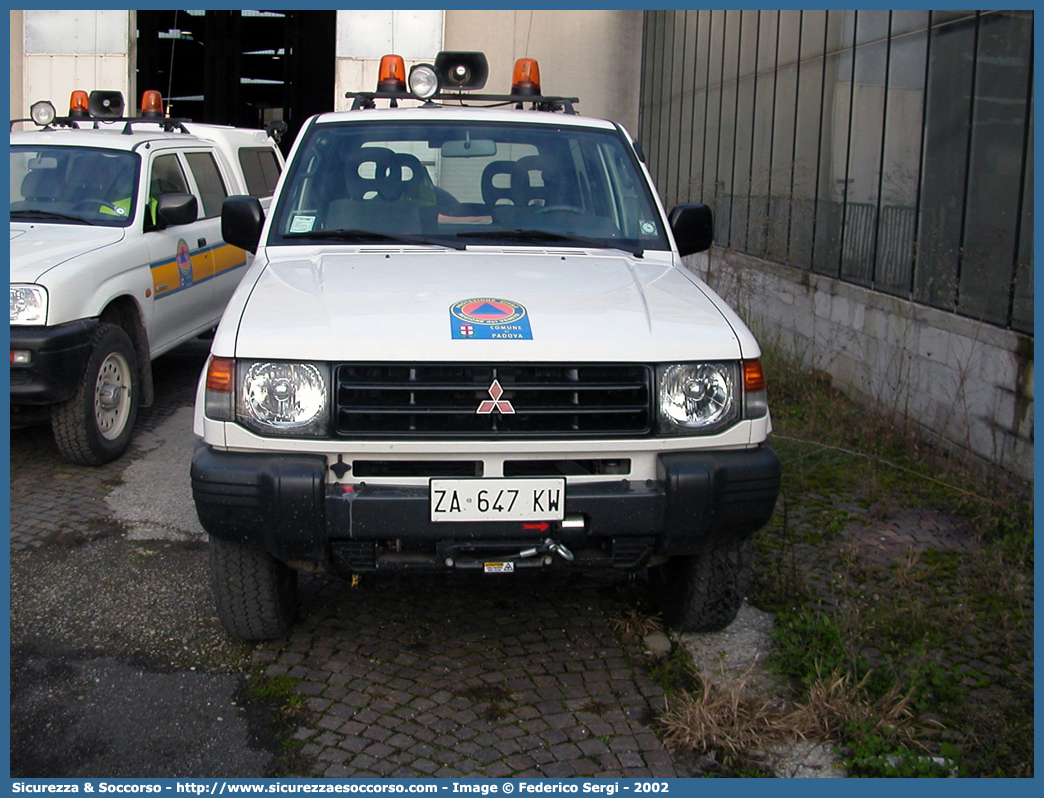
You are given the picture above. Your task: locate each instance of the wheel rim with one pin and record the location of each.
(112, 397)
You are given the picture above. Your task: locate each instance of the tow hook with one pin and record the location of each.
(548, 546)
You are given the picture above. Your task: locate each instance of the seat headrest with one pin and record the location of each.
(516, 189)
(42, 184)
(373, 170)
(542, 178)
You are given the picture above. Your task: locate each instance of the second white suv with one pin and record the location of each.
(117, 257)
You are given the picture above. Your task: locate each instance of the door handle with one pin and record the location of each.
(201, 242)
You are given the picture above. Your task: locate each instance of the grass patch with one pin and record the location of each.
(940, 635)
(914, 663)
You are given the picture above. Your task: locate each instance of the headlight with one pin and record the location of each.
(28, 304)
(696, 398)
(283, 398)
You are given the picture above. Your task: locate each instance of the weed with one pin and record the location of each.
(286, 713)
(597, 707)
(723, 715)
(835, 704)
(635, 623)
(484, 693)
(808, 643)
(489, 697)
(883, 753)
(675, 673)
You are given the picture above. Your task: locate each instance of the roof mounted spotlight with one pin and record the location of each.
(106, 104)
(78, 105)
(464, 71)
(423, 81)
(42, 112)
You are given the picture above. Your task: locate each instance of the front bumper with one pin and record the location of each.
(57, 357)
(284, 504)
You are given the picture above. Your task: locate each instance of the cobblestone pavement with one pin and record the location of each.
(425, 676)
(470, 677)
(56, 502)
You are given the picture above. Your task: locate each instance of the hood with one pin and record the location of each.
(36, 248)
(519, 306)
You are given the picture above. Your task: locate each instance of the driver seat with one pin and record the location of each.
(375, 180)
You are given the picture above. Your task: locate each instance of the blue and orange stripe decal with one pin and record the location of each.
(192, 267)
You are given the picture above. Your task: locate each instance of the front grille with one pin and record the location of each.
(444, 400)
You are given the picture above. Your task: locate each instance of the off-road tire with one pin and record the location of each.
(256, 594)
(703, 593)
(96, 424)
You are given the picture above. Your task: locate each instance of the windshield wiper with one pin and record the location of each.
(547, 235)
(33, 213)
(368, 235)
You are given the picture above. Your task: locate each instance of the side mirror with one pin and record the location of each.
(175, 209)
(241, 221)
(693, 227)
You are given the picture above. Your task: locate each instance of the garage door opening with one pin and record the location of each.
(242, 68)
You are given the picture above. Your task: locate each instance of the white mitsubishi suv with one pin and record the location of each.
(468, 341)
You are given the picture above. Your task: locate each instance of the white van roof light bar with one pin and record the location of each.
(453, 78)
(102, 106)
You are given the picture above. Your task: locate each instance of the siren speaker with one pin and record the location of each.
(458, 70)
(105, 104)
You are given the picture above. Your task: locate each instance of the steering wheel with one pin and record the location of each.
(562, 209)
(92, 203)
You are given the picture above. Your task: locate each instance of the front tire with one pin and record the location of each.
(96, 424)
(703, 593)
(256, 594)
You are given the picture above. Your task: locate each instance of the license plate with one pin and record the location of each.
(497, 499)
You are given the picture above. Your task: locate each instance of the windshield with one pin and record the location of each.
(73, 185)
(468, 183)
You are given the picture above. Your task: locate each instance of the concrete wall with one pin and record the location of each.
(593, 55)
(19, 108)
(68, 50)
(364, 36)
(962, 383)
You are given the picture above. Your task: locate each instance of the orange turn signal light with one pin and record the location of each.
(526, 77)
(152, 105)
(220, 374)
(78, 106)
(753, 376)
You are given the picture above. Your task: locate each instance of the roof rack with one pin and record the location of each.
(166, 123)
(366, 99)
(452, 79)
(102, 106)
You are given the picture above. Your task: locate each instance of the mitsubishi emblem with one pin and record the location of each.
(489, 406)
